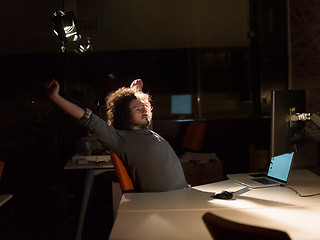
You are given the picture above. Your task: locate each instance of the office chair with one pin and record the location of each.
(223, 229)
(194, 136)
(1, 168)
(197, 173)
(122, 174)
(6, 210)
(124, 179)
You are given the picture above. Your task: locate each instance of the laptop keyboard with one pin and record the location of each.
(265, 181)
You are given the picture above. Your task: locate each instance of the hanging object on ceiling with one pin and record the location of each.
(64, 27)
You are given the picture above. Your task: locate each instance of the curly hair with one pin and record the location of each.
(118, 111)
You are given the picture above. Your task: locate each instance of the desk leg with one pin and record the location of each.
(86, 194)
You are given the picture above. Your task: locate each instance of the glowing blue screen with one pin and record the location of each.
(280, 166)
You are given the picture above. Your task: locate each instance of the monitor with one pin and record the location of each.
(181, 104)
(286, 136)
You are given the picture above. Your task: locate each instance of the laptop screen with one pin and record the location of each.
(279, 167)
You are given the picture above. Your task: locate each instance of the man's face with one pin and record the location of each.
(139, 115)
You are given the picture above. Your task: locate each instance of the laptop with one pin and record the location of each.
(278, 173)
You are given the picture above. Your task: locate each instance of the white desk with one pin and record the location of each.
(92, 171)
(5, 198)
(178, 214)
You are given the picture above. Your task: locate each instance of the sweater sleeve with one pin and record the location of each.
(108, 135)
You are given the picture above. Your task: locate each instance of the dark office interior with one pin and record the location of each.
(228, 55)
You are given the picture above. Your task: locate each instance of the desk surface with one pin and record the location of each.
(5, 198)
(178, 214)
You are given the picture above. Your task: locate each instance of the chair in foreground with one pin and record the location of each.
(223, 229)
(122, 174)
(124, 179)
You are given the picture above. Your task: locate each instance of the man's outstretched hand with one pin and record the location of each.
(137, 84)
(53, 88)
(72, 109)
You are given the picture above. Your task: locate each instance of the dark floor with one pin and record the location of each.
(52, 212)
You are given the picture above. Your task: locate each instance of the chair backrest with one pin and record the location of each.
(1, 168)
(221, 229)
(122, 174)
(194, 136)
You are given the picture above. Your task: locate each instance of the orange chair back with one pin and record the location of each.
(1, 168)
(122, 174)
(194, 136)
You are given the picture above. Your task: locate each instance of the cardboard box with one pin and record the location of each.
(203, 173)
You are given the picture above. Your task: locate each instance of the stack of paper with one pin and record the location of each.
(81, 159)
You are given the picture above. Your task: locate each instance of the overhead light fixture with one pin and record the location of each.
(83, 45)
(64, 27)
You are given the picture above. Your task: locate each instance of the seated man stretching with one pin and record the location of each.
(150, 160)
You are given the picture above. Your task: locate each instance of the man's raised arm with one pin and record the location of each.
(72, 109)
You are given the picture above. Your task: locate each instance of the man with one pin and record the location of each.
(149, 159)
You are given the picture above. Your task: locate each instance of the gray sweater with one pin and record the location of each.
(151, 162)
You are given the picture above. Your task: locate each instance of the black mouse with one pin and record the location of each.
(223, 195)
